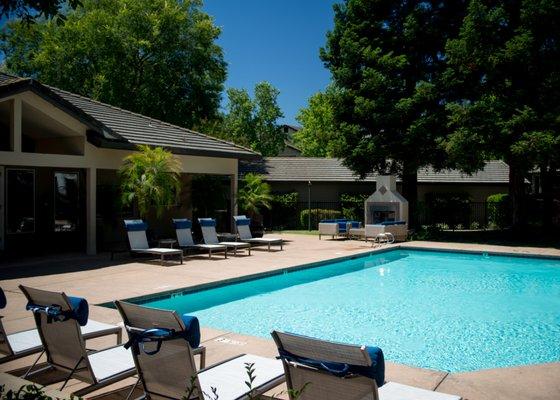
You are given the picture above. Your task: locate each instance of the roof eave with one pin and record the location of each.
(126, 145)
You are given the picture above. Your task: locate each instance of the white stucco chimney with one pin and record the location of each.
(386, 203)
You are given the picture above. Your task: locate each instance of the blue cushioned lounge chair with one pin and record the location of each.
(334, 371)
(184, 238)
(208, 227)
(242, 223)
(58, 319)
(136, 231)
(24, 343)
(165, 363)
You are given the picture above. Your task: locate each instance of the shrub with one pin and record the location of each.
(427, 232)
(317, 214)
(498, 210)
(474, 226)
(353, 206)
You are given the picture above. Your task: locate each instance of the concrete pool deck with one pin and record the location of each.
(101, 280)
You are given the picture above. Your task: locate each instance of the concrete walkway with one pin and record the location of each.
(101, 280)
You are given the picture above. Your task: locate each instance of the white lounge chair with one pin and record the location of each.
(185, 240)
(24, 343)
(242, 224)
(208, 227)
(136, 231)
(57, 323)
(164, 359)
(333, 371)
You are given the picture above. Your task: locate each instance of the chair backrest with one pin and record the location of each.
(5, 347)
(208, 227)
(319, 384)
(183, 230)
(136, 231)
(169, 372)
(242, 224)
(62, 339)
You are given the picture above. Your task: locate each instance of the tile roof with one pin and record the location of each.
(130, 128)
(293, 169)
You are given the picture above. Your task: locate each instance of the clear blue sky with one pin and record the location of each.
(276, 41)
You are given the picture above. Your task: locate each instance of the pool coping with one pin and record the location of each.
(282, 270)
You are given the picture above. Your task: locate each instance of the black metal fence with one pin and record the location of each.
(453, 215)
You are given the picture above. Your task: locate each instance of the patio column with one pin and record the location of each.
(233, 197)
(91, 210)
(15, 134)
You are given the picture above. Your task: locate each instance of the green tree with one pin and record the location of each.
(254, 122)
(317, 137)
(504, 67)
(150, 179)
(155, 57)
(254, 194)
(385, 58)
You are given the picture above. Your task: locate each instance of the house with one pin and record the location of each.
(59, 156)
(290, 150)
(329, 179)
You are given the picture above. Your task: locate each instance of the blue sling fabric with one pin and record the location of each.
(182, 223)
(135, 225)
(159, 335)
(375, 371)
(243, 221)
(79, 312)
(3, 300)
(207, 222)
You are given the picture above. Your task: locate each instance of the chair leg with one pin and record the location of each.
(181, 255)
(269, 247)
(161, 260)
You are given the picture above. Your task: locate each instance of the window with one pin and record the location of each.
(66, 201)
(20, 186)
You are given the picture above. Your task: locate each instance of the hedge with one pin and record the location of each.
(317, 214)
(498, 210)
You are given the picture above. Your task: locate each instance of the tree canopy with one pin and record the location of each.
(385, 58)
(503, 69)
(318, 136)
(155, 57)
(254, 122)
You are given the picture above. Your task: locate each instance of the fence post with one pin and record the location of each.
(309, 205)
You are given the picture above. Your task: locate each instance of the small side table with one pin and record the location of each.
(167, 243)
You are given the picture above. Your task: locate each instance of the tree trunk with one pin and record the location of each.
(410, 193)
(517, 193)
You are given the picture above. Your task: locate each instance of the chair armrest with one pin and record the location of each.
(328, 228)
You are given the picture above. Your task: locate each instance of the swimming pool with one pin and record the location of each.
(441, 310)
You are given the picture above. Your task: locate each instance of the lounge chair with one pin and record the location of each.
(208, 226)
(164, 359)
(25, 343)
(337, 227)
(333, 371)
(397, 229)
(58, 322)
(242, 224)
(184, 238)
(136, 230)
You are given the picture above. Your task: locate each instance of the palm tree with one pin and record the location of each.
(254, 194)
(150, 177)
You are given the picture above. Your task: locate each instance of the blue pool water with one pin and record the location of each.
(446, 311)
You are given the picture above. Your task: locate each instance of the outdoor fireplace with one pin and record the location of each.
(386, 204)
